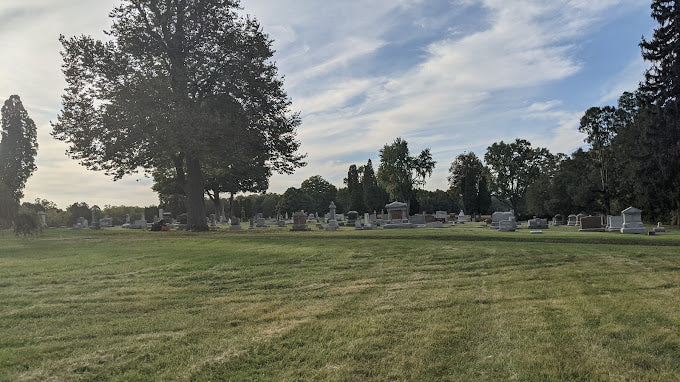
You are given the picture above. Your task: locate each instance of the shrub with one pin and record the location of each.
(26, 223)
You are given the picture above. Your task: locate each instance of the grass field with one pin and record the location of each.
(422, 305)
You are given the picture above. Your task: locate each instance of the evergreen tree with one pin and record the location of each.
(354, 187)
(662, 88)
(374, 195)
(18, 147)
(483, 196)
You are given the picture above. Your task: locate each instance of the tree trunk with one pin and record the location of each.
(194, 191)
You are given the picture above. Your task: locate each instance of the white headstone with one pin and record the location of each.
(632, 221)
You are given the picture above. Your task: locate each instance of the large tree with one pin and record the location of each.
(600, 124)
(465, 175)
(18, 147)
(177, 82)
(515, 166)
(400, 173)
(374, 195)
(355, 189)
(662, 88)
(320, 191)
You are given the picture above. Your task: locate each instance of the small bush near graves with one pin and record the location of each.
(26, 223)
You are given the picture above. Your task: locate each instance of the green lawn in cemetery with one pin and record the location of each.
(451, 304)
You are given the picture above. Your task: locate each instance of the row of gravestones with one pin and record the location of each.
(630, 222)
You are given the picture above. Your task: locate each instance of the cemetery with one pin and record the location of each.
(471, 255)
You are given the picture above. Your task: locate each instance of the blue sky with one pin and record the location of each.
(449, 75)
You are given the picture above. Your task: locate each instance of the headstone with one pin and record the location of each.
(127, 218)
(357, 225)
(43, 221)
(352, 216)
(160, 213)
(537, 223)
(235, 224)
(300, 222)
(95, 218)
(659, 228)
(442, 216)
(632, 221)
(558, 220)
(571, 222)
(332, 223)
(281, 223)
(213, 220)
(252, 224)
(367, 221)
(614, 223)
(591, 224)
(106, 222)
(497, 217)
(417, 219)
(462, 219)
(261, 222)
(506, 226)
(397, 216)
(536, 232)
(578, 219)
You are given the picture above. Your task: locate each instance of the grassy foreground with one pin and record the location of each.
(450, 304)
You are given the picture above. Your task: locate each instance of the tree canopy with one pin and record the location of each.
(515, 166)
(400, 173)
(467, 179)
(18, 148)
(177, 84)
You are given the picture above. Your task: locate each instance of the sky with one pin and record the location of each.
(453, 76)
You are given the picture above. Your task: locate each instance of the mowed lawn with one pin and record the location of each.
(421, 305)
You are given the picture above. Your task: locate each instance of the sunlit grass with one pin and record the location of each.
(433, 304)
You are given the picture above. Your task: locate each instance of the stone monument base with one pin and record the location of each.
(399, 225)
(633, 229)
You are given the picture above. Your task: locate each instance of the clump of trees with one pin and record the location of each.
(18, 148)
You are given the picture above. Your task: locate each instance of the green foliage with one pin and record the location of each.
(26, 222)
(18, 147)
(515, 166)
(438, 200)
(661, 91)
(8, 206)
(401, 173)
(342, 201)
(374, 195)
(355, 190)
(600, 124)
(465, 179)
(78, 210)
(321, 193)
(177, 85)
(118, 214)
(293, 200)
